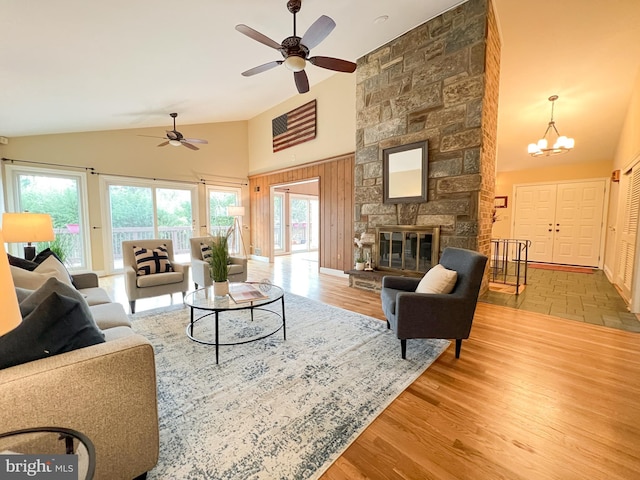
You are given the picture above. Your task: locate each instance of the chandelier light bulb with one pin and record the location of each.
(562, 143)
(295, 63)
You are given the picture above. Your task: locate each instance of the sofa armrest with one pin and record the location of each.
(85, 280)
(407, 284)
(200, 272)
(239, 261)
(182, 267)
(106, 391)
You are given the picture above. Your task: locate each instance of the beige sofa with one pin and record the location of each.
(106, 391)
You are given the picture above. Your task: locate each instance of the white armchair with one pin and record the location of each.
(200, 268)
(145, 286)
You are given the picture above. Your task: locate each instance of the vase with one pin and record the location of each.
(359, 265)
(221, 289)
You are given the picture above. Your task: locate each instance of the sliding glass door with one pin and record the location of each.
(219, 220)
(144, 210)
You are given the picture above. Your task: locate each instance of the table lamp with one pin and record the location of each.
(237, 212)
(10, 317)
(27, 227)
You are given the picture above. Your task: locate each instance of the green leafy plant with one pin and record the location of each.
(219, 260)
(61, 246)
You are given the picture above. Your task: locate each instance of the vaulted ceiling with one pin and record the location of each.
(72, 65)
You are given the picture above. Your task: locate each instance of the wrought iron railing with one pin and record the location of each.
(509, 258)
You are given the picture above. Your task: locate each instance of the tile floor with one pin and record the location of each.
(583, 297)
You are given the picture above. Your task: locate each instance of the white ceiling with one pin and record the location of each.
(74, 65)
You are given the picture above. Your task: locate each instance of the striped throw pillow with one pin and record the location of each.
(206, 251)
(150, 261)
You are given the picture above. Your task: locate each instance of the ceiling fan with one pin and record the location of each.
(295, 50)
(176, 139)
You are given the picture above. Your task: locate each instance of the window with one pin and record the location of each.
(62, 194)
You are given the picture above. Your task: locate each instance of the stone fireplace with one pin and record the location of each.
(406, 249)
(439, 83)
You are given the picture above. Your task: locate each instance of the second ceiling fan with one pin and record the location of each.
(295, 50)
(175, 138)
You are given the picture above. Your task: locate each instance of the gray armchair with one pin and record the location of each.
(200, 268)
(157, 284)
(423, 315)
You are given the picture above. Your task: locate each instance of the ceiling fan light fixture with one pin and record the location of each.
(175, 143)
(563, 144)
(295, 63)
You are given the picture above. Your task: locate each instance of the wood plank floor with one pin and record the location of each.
(531, 397)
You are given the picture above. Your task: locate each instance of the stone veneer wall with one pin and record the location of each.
(438, 82)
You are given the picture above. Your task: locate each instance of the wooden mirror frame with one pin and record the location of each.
(416, 151)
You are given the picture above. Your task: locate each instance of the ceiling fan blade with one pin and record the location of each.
(318, 31)
(188, 145)
(163, 144)
(257, 36)
(150, 136)
(302, 81)
(195, 140)
(334, 64)
(262, 68)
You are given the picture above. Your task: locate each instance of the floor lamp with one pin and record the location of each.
(10, 317)
(237, 212)
(26, 228)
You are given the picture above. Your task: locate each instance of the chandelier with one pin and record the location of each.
(561, 145)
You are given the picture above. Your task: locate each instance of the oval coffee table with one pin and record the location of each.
(204, 300)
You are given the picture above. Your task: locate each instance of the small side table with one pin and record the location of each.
(43, 441)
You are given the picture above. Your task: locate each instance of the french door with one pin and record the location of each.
(563, 221)
(63, 195)
(138, 210)
(304, 215)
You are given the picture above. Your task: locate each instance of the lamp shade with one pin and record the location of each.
(10, 317)
(234, 211)
(27, 227)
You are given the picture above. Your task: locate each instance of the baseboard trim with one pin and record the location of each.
(334, 272)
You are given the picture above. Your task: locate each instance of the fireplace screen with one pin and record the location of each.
(407, 248)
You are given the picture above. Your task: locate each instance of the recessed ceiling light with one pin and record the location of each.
(381, 19)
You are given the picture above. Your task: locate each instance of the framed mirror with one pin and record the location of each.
(404, 173)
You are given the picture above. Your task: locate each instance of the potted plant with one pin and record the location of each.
(219, 264)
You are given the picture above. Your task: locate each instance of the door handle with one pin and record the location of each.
(558, 230)
(550, 230)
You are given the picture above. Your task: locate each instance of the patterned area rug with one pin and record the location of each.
(273, 409)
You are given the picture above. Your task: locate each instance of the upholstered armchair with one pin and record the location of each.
(435, 315)
(154, 280)
(200, 268)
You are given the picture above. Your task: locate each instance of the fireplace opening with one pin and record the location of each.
(407, 248)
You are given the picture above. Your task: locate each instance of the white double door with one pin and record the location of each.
(562, 220)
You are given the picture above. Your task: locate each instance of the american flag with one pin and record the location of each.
(294, 127)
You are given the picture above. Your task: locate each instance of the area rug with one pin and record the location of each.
(275, 408)
(561, 268)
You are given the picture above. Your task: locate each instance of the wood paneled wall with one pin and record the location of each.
(335, 177)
